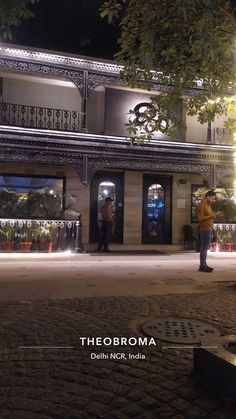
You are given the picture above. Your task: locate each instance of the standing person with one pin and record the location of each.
(205, 223)
(107, 213)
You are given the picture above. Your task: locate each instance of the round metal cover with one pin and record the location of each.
(180, 330)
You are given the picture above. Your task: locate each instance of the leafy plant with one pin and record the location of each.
(228, 209)
(7, 233)
(44, 205)
(224, 236)
(9, 204)
(181, 46)
(12, 12)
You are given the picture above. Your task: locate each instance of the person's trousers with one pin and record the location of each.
(105, 237)
(205, 239)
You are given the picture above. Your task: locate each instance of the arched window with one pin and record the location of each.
(155, 210)
(105, 189)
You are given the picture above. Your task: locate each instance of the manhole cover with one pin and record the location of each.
(179, 330)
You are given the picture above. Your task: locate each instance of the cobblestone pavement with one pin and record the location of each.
(46, 373)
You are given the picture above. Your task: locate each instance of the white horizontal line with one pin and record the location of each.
(189, 347)
(89, 262)
(45, 347)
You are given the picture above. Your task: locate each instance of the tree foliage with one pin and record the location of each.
(12, 12)
(185, 44)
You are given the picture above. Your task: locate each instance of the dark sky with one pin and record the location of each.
(68, 26)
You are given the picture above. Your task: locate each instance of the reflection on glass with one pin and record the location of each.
(225, 203)
(155, 211)
(30, 197)
(105, 189)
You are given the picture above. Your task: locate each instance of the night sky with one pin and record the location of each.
(72, 26)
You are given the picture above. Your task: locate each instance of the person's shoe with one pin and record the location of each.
(206, 269)
(209, 267)
(106, 250)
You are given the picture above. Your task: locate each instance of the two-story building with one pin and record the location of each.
(62, 130)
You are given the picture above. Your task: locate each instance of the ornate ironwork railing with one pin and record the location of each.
(21, 235)
(224, 238)
(222, 136)
(40, 117)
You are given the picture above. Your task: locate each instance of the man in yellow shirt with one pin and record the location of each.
(205, 222)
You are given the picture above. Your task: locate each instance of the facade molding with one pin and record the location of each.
(69, 68)
(96, 79)
(101, 163)
(74, 76)
(222, 171)
(71, 61)
(59, 59)
(96, 145)
(86, 164)
(41, 157)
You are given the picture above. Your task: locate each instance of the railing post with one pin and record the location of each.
(209, 133)
(78, 236)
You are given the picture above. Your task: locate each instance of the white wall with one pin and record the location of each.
(181, 204)
(40, 94)
(96, 111)
(196, 132)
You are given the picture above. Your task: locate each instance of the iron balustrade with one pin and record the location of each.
(39, 117)
(26, 235)
(222, 136)
(224, 237)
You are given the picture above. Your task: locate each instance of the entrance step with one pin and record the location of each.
(163, 248)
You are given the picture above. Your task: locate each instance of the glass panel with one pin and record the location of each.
(225, 203)
(155, 211)
(105, 189)
(30, 197)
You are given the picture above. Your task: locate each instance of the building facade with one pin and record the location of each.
(63, 130)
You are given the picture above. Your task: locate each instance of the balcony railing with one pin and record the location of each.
(21, 235)
(40, 117)
(222, 136)
(224, 239)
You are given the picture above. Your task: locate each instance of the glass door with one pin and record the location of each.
(106, 184)
(156, 209)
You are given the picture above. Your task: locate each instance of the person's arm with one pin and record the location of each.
(104, 212)
(203, 217)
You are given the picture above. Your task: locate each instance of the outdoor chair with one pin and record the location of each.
(189, 240)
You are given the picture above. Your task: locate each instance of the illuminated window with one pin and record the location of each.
(31, 196)
(155, 210)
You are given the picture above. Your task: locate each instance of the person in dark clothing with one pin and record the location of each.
(107, 213)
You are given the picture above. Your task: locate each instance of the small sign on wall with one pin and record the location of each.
(181, 203)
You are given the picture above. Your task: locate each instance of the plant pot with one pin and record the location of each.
(229, 247)
(213, 246)
(8, 246)
(49, 247)
(219, 247)
(25, 246)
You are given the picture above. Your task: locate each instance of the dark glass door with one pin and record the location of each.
(106, 184)
(156, 209)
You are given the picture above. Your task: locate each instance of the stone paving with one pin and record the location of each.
(46, 373)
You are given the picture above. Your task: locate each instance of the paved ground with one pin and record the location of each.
(61, 275)
(49, 303)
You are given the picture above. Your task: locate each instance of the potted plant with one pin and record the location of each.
(43, 237)
(8, 238)
(23, 237)
(229, 241)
